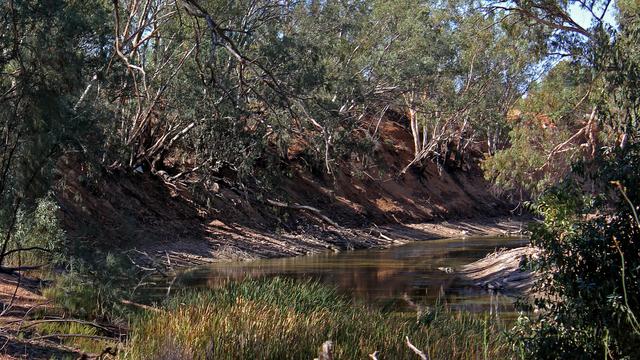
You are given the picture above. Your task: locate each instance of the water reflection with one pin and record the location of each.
(393, 277)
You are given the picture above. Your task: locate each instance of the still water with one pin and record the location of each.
(393, 277)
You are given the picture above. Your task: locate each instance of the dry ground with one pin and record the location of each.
(234, 242)
(21, 301)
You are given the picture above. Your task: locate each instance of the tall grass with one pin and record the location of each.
(86, 344)
(285, 319)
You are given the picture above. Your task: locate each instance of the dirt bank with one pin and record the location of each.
(306, 212)
(21, 301)
(235, 243)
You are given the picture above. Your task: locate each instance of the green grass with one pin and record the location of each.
(83, 343)
(286, 319)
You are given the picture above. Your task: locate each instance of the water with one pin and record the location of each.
(393, 277)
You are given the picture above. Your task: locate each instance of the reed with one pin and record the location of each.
(286, 319)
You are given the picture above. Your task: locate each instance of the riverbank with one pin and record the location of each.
(219, 215)
(30, 306)
(22, 302)
(233, 242)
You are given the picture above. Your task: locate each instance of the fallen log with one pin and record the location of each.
(502, 271)
(141, 306)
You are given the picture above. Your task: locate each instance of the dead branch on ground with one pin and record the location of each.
(417, 351)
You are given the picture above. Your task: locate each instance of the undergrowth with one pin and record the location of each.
(85, 337)
(286, 319)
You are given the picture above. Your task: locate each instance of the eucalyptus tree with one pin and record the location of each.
(452, 70)
(551, 128)
(232, 81)
(47, 51)
(589, 261)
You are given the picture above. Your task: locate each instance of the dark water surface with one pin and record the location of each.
(382, 277)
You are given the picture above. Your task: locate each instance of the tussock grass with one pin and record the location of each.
(286, 319)
(85, 344)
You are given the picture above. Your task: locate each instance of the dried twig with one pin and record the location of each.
(418, 352)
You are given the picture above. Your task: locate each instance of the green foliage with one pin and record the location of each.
(591, 267)
(562, 95)
(314, 75)
(41, 233)
(517, 169)
(553, 111)
(619, 61)
(42, 63)
(590, 289)
(92, 287)
(285, 319)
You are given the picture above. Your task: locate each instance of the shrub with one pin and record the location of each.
(591, 291)
(38, 231)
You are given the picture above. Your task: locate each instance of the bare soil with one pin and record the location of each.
(375, 206)
(20, 301)
(235, 243)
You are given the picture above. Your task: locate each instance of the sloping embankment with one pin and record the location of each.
(124, 211)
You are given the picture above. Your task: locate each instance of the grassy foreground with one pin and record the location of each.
(286, 319)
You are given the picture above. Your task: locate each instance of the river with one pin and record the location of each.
(417, 272)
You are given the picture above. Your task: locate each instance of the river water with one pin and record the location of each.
(390, 278)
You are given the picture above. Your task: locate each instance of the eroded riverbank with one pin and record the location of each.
(232, 242)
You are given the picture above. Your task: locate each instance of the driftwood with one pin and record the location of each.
(26, 249)
(304, 207)
(326, 352)
(418, 352)
(141, 306)
(13, 270)
(501, 271)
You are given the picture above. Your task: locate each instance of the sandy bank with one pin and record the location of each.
(226, 242)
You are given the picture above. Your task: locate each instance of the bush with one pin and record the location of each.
(38, 231)
(591, 291)
(93, 285)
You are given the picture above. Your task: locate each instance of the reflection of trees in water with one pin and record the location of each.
(370, 283)
(381, 276)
